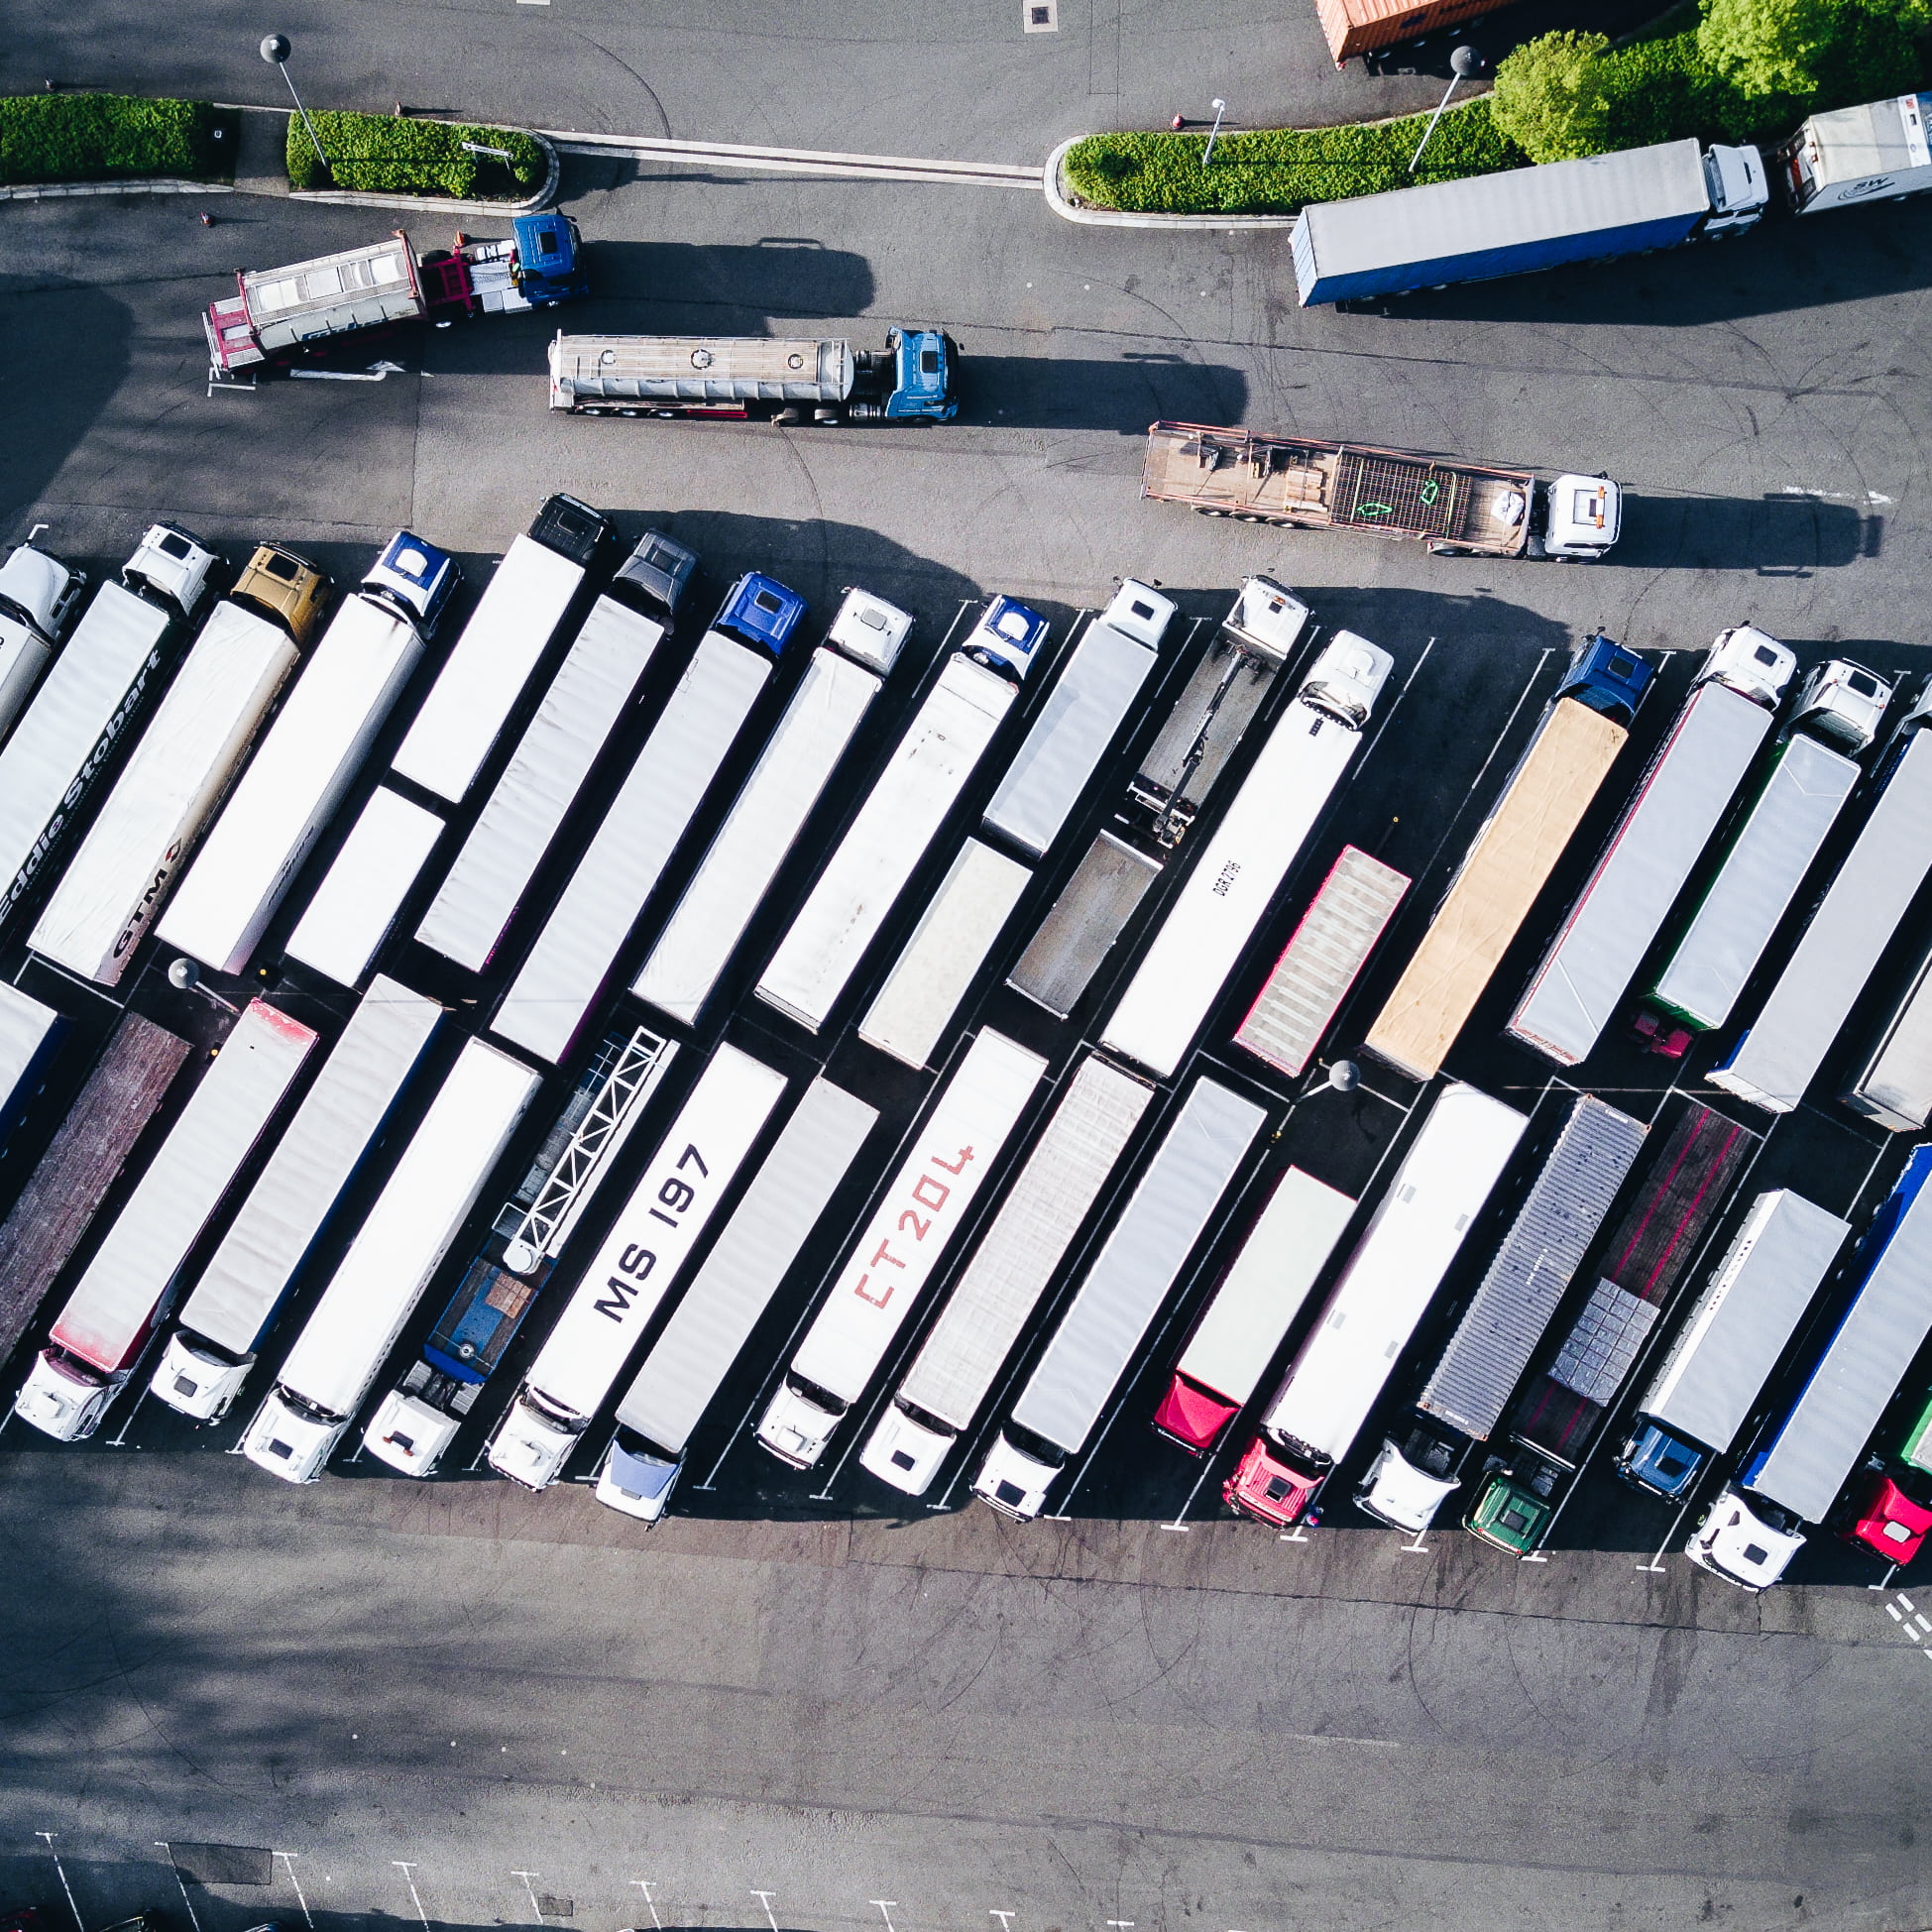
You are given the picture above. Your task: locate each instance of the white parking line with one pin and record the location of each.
(407, 1868)
(182, 1886)
(289, 1859)
(63, 1871)
(644, 1885)
(765, 1899)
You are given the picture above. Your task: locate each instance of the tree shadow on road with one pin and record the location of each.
(50, 403)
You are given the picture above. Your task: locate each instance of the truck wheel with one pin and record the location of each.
(1208, 509)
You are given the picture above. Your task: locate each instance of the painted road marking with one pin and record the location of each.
(824, 163)
(289, 1859)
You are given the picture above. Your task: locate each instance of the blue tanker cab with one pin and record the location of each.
(1007, 637)
(761, 611)
(924, 392)
(414, 579)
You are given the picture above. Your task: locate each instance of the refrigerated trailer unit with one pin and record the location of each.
(1387, 1281)
(949, 1156)
(226, 1318)
(493, 870)
(115, 885)
(686, 1366)
(124, 1290)
(634, 1267)
(1676, 807)
(1170, 1209)
(1010, 1272)
(1792, 1472)
(1236, 876)
(401, 1244)
(1701, 1396)
(1561, 1413)
(354, 908)
(1424, 1459)
(1509, 860)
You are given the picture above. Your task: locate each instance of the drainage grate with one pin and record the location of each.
(1039, 16)
(549, 1907)
(224, 1865)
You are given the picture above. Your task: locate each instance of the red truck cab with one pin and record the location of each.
(1268, 1488)
(1888, 1523)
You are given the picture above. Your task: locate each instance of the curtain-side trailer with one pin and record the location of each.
(354, 909)
(123, 1292)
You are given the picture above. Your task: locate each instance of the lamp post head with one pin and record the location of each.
(1220, 107)
(183, 975)
(275, 49)
(1464, 61)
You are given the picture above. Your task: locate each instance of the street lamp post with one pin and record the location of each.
(276, 51)
(1207, 153)
(1462, 63)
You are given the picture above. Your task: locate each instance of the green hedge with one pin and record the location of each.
(112, 137)
(383, 154)
(1277, 171)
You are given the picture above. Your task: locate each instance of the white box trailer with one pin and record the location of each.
(354, 907)
(686, 1366)
(932, 974)
(487, 668)
(1169, 1211)
(293, 785)
(225, 1320)
(1012, 1269)
(29, 1036)
(949, 1156)
(65, 736)
(922, 780)
(635, 1265)
(124, 1290)
(1778, 1055)
(116, 882)
(401, 1244)
(1236, 876)
(1084, 712)
(566, 969)
(1082, 923)
(758, 833)
(1307, 985)
(1676, 807)
(1872, 153)
(1764, 864)
(1893, 1086)
(483, 888)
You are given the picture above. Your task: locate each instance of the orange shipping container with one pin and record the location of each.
(1361, 26)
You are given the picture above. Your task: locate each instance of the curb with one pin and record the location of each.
(49, 190)
(445, 204)
(1063, 203)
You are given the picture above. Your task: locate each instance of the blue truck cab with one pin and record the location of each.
(761, 611)
(549, 259)
(414, 581)
(922, 361)
(1608, 678)
(1007, 637)
(1661, 1463)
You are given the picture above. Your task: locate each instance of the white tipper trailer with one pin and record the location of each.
(98, 1337)
(116, 882)
(401, 1244)
(949, 1156)
(1778, 1055)
(225, 1320)
(557, 983)
(1237, 875)
(635, 1265)
(487, 668)
(292, 784)
(1675, 808)
(1010, 1271)
(354, 909)
(490, 876)
(1167, 1213)
(681, 1374)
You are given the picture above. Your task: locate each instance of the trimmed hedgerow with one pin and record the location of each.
(383, 154)
(112, 137)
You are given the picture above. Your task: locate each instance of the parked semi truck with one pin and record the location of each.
(1170, 1211)
(279, 316)
(1568, 1402)
(1677, 805)
(1009, 1273)
(1390, 1276)
(1794, 1468)
(123, 1292)
(949, 1157)
(1875, 152)
(1458, 509)
(401, 1244)
(1509, 862)
(635, 1265)
(783, 379)
(355, 908)
(682, 1372)
(227, 1317)
(1237, 875)
(564, 972)
(1425, 1455)
(38, 598)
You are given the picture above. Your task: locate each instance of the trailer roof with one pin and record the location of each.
(694, 368)
(1083, 924)
(357, 902)
(27, 1028)
(1875, 137)
(375, 283)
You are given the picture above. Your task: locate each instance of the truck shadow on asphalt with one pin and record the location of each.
(41, 324)
(1782, 534)
(1122, 393)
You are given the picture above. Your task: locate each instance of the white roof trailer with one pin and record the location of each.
(1010, 1270)
(922, 781)
(207, 1358)
(626, 1281)
(115, 885)
(28, 1034)
(293, 785)
(482, 891)
(948, 1158)
(399, 1246)
(115, 1305)
(1103, 1326)
(626, 856)
(709, 1327)
(63, 736)
(757, 835)
(487, 669)
(356, 905)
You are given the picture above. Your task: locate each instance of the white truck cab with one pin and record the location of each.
(905, 1452)
(635, 1481)
(1736, 181)
(1268, 618)
(61, 1397)
(1733, 1541)
(1752, 662)
(197, 1381)
(1582, 518)
(871, 629)
(408, 1435)
(1138, 611)
(794, 1428)
(1014, 1482)
(1395, 1491)
(175, 565)
(38, 595)
(291, 1440)
(1347, 677)
(530, 1447)
(1842, 703)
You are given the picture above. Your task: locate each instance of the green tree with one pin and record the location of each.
(1550, 97)
(1807, 47)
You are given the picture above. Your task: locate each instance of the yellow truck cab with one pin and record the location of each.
(285, 587)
